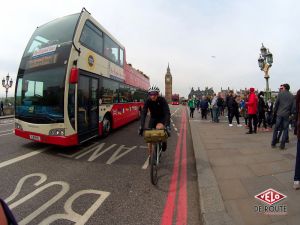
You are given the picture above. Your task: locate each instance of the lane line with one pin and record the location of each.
(175, 111)
(3, 131)
(6, 134)
(168, 213)
(146, 164)
(20, 158)
(3, 124)
(182, 195)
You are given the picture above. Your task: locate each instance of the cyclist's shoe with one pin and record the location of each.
(168, 130)
(164, 146)
(140, 131)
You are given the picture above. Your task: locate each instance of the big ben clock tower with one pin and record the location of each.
(168, 85)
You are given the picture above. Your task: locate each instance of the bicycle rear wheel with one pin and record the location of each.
(153, 164)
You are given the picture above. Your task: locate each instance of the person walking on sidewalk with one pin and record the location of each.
(220, 103)
(2, 109)
(204, 107)
(215, 109)
(297, 132)
(192, 105)
(269, 106)
(252, 111)
(235, 111)
(283, 109)
(262, 111)
(229, 104)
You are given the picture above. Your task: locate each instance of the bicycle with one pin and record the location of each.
(156, 137)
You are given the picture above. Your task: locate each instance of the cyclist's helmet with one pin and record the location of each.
(153, 90)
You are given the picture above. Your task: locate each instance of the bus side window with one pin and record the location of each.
(92, 37)
(109, 92)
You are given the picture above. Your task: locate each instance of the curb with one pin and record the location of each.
(7, 117)
(212, 207)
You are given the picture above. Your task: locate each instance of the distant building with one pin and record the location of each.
(168, 85)
(199, 93)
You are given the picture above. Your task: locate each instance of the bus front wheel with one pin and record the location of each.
(106, 126)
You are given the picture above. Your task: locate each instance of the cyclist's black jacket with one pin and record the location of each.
(159, 110)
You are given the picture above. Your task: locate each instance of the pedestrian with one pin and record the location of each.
(280, 130)
(198, 105)
(2, 108)
(229, 104)
(192, 105)
(220, 103)
(269, 107)
(252, 111)
(215, 109)
(283, 109)
(297, 132)
(235, 111)
(262, 111)
(204, 107)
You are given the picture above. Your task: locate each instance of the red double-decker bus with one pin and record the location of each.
(175, 99)
(74, 83)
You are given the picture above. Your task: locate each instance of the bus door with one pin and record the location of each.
(87, 101)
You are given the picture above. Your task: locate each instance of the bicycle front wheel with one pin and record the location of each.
(154, 164)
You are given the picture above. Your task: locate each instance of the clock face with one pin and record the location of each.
(168, 79)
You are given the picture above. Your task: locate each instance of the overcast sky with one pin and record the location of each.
(184, 33)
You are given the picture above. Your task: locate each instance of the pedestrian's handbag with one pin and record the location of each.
(155, 136)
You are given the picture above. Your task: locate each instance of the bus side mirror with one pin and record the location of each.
(73, 76)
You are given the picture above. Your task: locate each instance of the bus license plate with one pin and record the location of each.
(35, 138)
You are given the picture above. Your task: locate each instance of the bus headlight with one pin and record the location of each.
(57, 132)
(18, 126)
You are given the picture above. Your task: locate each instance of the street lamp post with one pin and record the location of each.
(265, 61)
(6, 83)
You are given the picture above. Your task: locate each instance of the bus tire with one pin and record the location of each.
(106, 125)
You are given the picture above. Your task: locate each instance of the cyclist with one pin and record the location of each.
(159, 114)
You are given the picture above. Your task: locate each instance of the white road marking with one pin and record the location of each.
(146, 164)
(175, 129)
(78, 153)
(143, 146)
(6, 134)
(70, 214)
(73, 216)
(174, 112)
(20, 158)
(2, 124)
(177, 134)
(17, 190)
(65, 187)
(2, 131)
(116, 154)
(96, 152)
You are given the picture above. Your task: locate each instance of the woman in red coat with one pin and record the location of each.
(252, 111)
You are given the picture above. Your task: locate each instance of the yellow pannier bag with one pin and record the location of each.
(155, 135)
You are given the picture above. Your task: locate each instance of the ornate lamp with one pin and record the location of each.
(269, 57)
(261, 62)
(263, 50)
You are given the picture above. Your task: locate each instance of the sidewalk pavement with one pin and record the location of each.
(233, 167)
